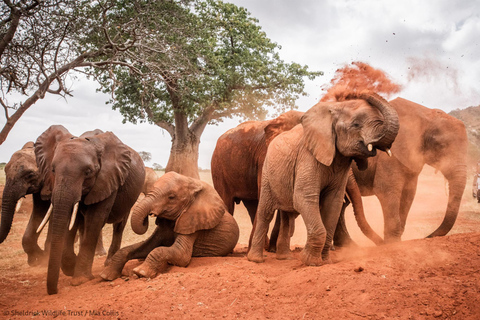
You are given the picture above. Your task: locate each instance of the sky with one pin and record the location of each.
(430, 48)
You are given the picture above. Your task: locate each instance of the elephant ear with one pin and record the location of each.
(205, 212)
(44, 151)
(115, 159)
(286, 121)
(318, 134)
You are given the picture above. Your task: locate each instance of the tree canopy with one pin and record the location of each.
(219, 63)
(179, 64)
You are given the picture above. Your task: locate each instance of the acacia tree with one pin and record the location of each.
(42, 41)
(219, 64)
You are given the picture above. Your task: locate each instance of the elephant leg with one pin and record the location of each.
(287, 223)
(331, 208)
(272, 244)
(36, 256)
(263, 217)
(341, 237)
(162, 236)
(116, 239)
(100, 250)
(94, 220)
(179, 254)
(408, 194)
(251, 206)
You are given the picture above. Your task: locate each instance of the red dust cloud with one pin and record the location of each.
(429, 69)
(359, 77)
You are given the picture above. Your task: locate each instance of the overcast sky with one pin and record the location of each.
(431, 48)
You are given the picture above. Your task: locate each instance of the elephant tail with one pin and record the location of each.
(355, 197)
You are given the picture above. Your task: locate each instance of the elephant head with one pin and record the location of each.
(22, 178)
(192, 204)
(85, 170)
(355, 128)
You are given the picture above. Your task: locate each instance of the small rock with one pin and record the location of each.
(437, 313)
(358, 269)
(328, 288)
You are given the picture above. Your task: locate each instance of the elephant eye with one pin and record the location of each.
(356, 125)
(171, 196)
(88, 172)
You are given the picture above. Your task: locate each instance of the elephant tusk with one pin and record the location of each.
(45, 219)
(19, 204)
(370, 147)
(74, 216)
(389, 152)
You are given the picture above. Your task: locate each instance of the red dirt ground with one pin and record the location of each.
(416, 279)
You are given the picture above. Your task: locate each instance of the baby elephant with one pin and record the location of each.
(192, 221)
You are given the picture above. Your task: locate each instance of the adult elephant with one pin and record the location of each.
(426, 136)
(192, 221)
(22, 177)
(97, 175)
(306, 169)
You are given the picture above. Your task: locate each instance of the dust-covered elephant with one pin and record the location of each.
(306, 169)
(192, 221)
(237, 163)
(22, 178)
(95, 175)
(426, 136)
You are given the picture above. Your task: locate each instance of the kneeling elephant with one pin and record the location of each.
(191, 222)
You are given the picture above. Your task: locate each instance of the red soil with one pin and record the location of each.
(416, 279)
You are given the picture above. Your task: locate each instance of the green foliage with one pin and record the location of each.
(212, 60)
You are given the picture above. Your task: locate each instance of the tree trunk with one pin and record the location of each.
(184, 152)
(184, 157)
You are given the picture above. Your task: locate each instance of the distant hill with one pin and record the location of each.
(471, 117)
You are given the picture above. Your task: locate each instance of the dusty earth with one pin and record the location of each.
(415, 279)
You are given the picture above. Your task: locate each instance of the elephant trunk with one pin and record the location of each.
(356, 198)
(63, 204)
(457, 179)
(139, 219)
(391, 122)
(11, 194)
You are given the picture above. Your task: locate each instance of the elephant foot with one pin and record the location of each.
(145, 270)
(284, 255)
(100, 252)
(68, 267)
(76, 281)
(311, 259)
(110, 273)
(37, 259)
(255, 257)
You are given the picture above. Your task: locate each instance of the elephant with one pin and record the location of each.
(306, 170)
(192, 221)
(237, 162)
(22, 178)
(426, 136)
(94, 174)
(150, 178)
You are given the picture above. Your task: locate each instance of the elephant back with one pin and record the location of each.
(219, 241)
